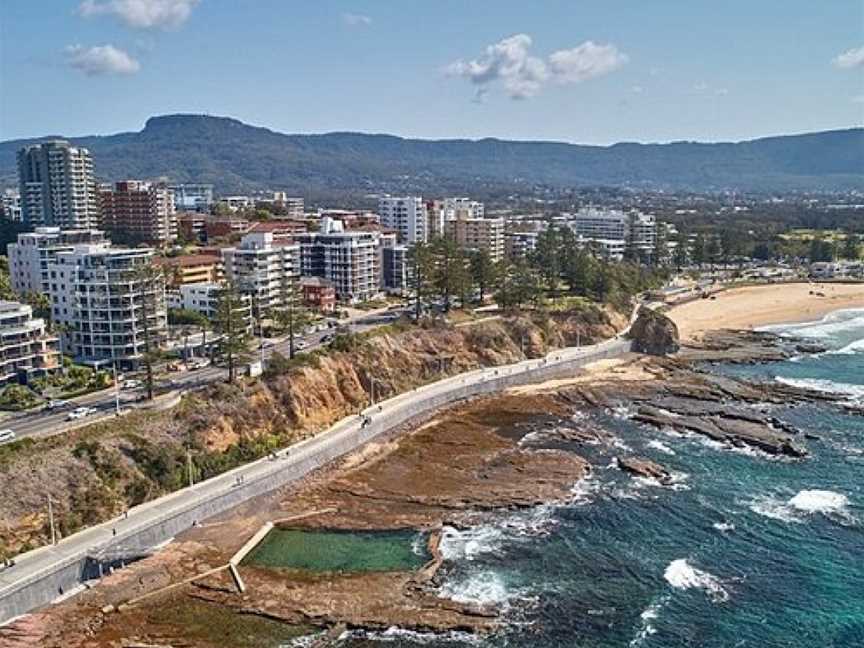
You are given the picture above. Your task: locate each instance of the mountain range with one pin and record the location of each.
(237, 157)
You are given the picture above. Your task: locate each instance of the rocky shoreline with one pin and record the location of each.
(468, 461)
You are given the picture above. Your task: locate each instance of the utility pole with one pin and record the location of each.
(51, 520)
(116, 390)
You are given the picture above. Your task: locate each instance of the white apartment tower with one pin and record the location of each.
(107, 308)
(260, 268)
(30, 256)
(57, 186)
(406, 215)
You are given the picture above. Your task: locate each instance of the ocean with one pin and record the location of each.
(743, 550)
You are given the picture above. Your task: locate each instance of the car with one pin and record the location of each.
(56, 404)
(77, 413)
(299, 344)
(327, 338)
(7, 436)
(131, 384)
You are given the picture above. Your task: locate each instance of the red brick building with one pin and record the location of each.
(319, 294)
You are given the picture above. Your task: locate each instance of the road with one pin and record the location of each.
(42, 423)
(33, 566)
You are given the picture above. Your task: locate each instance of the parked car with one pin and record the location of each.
(56, 404)
(131, 384)
(7, 436)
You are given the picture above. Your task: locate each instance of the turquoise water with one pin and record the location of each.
(742, 551)
(340, 551)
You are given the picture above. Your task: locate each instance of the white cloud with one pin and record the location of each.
(637, 89)
(141, 14)
(356, 20)
(858, 99)
(701, 86)
(101, 59)
(587, 61)
(523, 75)
(721, 92)
(851, 58)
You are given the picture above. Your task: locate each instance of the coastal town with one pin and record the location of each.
(544, 332)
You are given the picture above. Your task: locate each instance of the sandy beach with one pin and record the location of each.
(753, 306)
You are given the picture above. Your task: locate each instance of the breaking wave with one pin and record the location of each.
(831, 324)
(824, 385)
(805, 503)
(681, 575)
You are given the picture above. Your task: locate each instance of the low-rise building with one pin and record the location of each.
(30, 256)
(26, 349)
(520, 245)
(219, 226)
(318, 294)
(10, 206)
(608, 225)
(191, 226)
(110, 312)
(191, 269)
(204, 298)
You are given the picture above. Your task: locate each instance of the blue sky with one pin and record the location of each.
(589, 72)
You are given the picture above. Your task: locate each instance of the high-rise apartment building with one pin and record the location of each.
(349, 260)
(192, 197)
(455, 207)
(108, 309)
(614, 225)
(406, 215)
(261, 267)
(26, 350)
(30, 256)
(477, 234)
(57, 186)
(139, 212)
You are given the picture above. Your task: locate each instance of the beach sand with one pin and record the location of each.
(753, 306)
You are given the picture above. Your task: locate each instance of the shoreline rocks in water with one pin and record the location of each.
(641, 467)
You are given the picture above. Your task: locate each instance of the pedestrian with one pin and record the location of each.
(126, 514)
(114, 531)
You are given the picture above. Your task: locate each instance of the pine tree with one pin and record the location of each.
(422, 268)
(483, 271)
(229, 322)
(151, 285)
(292, 314)
(851, 246)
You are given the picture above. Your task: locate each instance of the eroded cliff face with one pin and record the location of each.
(95, 473)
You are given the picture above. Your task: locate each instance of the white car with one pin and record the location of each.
(56, 404)
(299, 344)
(7, 436)
(80, 412)
(131, 384)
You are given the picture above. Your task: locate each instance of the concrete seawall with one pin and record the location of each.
(42, 575)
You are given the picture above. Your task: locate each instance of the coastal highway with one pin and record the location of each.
(41, 423)
(32, 568)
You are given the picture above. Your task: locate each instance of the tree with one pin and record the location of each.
(631, 248)
(851, 246)
(518, 283)
(483, 271)
(292, 315)
(821, 250)
(185, 317)
(547, 257)
(699, 251)
(680, 255)
(661, 245)
(6, 291)
(579, 270)
(151, 285)
(447, 260)
(231, 325)
(422, 268)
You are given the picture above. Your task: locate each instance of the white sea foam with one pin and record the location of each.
(647, 618)
(483, 588)
(855, 392)
(396, 634)
(681, 575)
(660, 446)
(819, 501)
(853, 347)
(468, 544)
(724, 526)
(805, 503)
(831, 324)
(623, 412)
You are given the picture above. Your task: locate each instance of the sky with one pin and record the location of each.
(592, 72)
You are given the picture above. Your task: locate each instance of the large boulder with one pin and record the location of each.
(654, 333)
